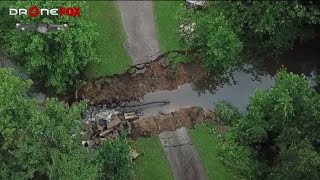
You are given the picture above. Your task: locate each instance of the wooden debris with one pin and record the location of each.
(129, 127)
(101, 126)
(105, 132)
(115, 122)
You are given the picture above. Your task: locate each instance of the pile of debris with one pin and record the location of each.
(102, 124)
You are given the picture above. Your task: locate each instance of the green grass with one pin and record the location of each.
(110, 45)
(166, 16)
(152, 162)
(206, 143)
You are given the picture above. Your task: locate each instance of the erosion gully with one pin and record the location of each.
(189, 86)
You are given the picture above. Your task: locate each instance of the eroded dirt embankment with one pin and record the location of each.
(128, 87)
(184, 117)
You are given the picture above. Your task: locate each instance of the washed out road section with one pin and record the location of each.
(182, 156)
(138, 21)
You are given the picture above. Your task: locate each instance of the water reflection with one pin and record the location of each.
(237, 93)
(241, 84)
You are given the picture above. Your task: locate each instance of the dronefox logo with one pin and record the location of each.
(34, 11)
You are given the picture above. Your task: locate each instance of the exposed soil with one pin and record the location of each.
(184, 117)
(127, 87)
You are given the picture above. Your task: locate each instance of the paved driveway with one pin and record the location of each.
(138, 21)
(182, 156)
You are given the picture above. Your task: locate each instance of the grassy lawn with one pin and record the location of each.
(152, 163)
(110, 46)
(206, 143)
(167, 24)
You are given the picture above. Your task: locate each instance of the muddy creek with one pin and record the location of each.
(187, 94)
(187, 87)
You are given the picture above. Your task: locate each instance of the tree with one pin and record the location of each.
(271, 27)
(45, 141)
(231, 31)
(115, 160)
(280, 130)
(6, 22)
(55, 59)
(299, 161)
(40, 142)
(217, 44)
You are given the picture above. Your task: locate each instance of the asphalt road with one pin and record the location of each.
(182, 156)
(142, 44)
(138, 21)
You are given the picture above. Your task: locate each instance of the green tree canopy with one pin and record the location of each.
(37, 141)
(55, 59)
(115, 159)
(228, 31)
(280, 129)
(213, 37)
(45, 141)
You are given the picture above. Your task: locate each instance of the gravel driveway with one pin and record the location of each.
(138, 21)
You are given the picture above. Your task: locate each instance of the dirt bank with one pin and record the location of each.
(185, 117)
(127, 87)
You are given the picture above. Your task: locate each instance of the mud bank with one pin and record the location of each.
(184, 117)
(128, 87)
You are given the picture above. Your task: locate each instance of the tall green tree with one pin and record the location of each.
(280, 129)
(45, 141)
(271, 27)
(115, 160)
(228, 31)
(6, 22)
(55, 59)
(213, 37)
(40, 141)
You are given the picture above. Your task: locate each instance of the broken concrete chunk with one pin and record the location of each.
(130, 114)
(134, 117)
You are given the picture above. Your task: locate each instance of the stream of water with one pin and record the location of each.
(302, 59)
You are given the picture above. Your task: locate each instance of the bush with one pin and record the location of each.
(238, 158)
(227, 113)
(115, 159)
(216, 42)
